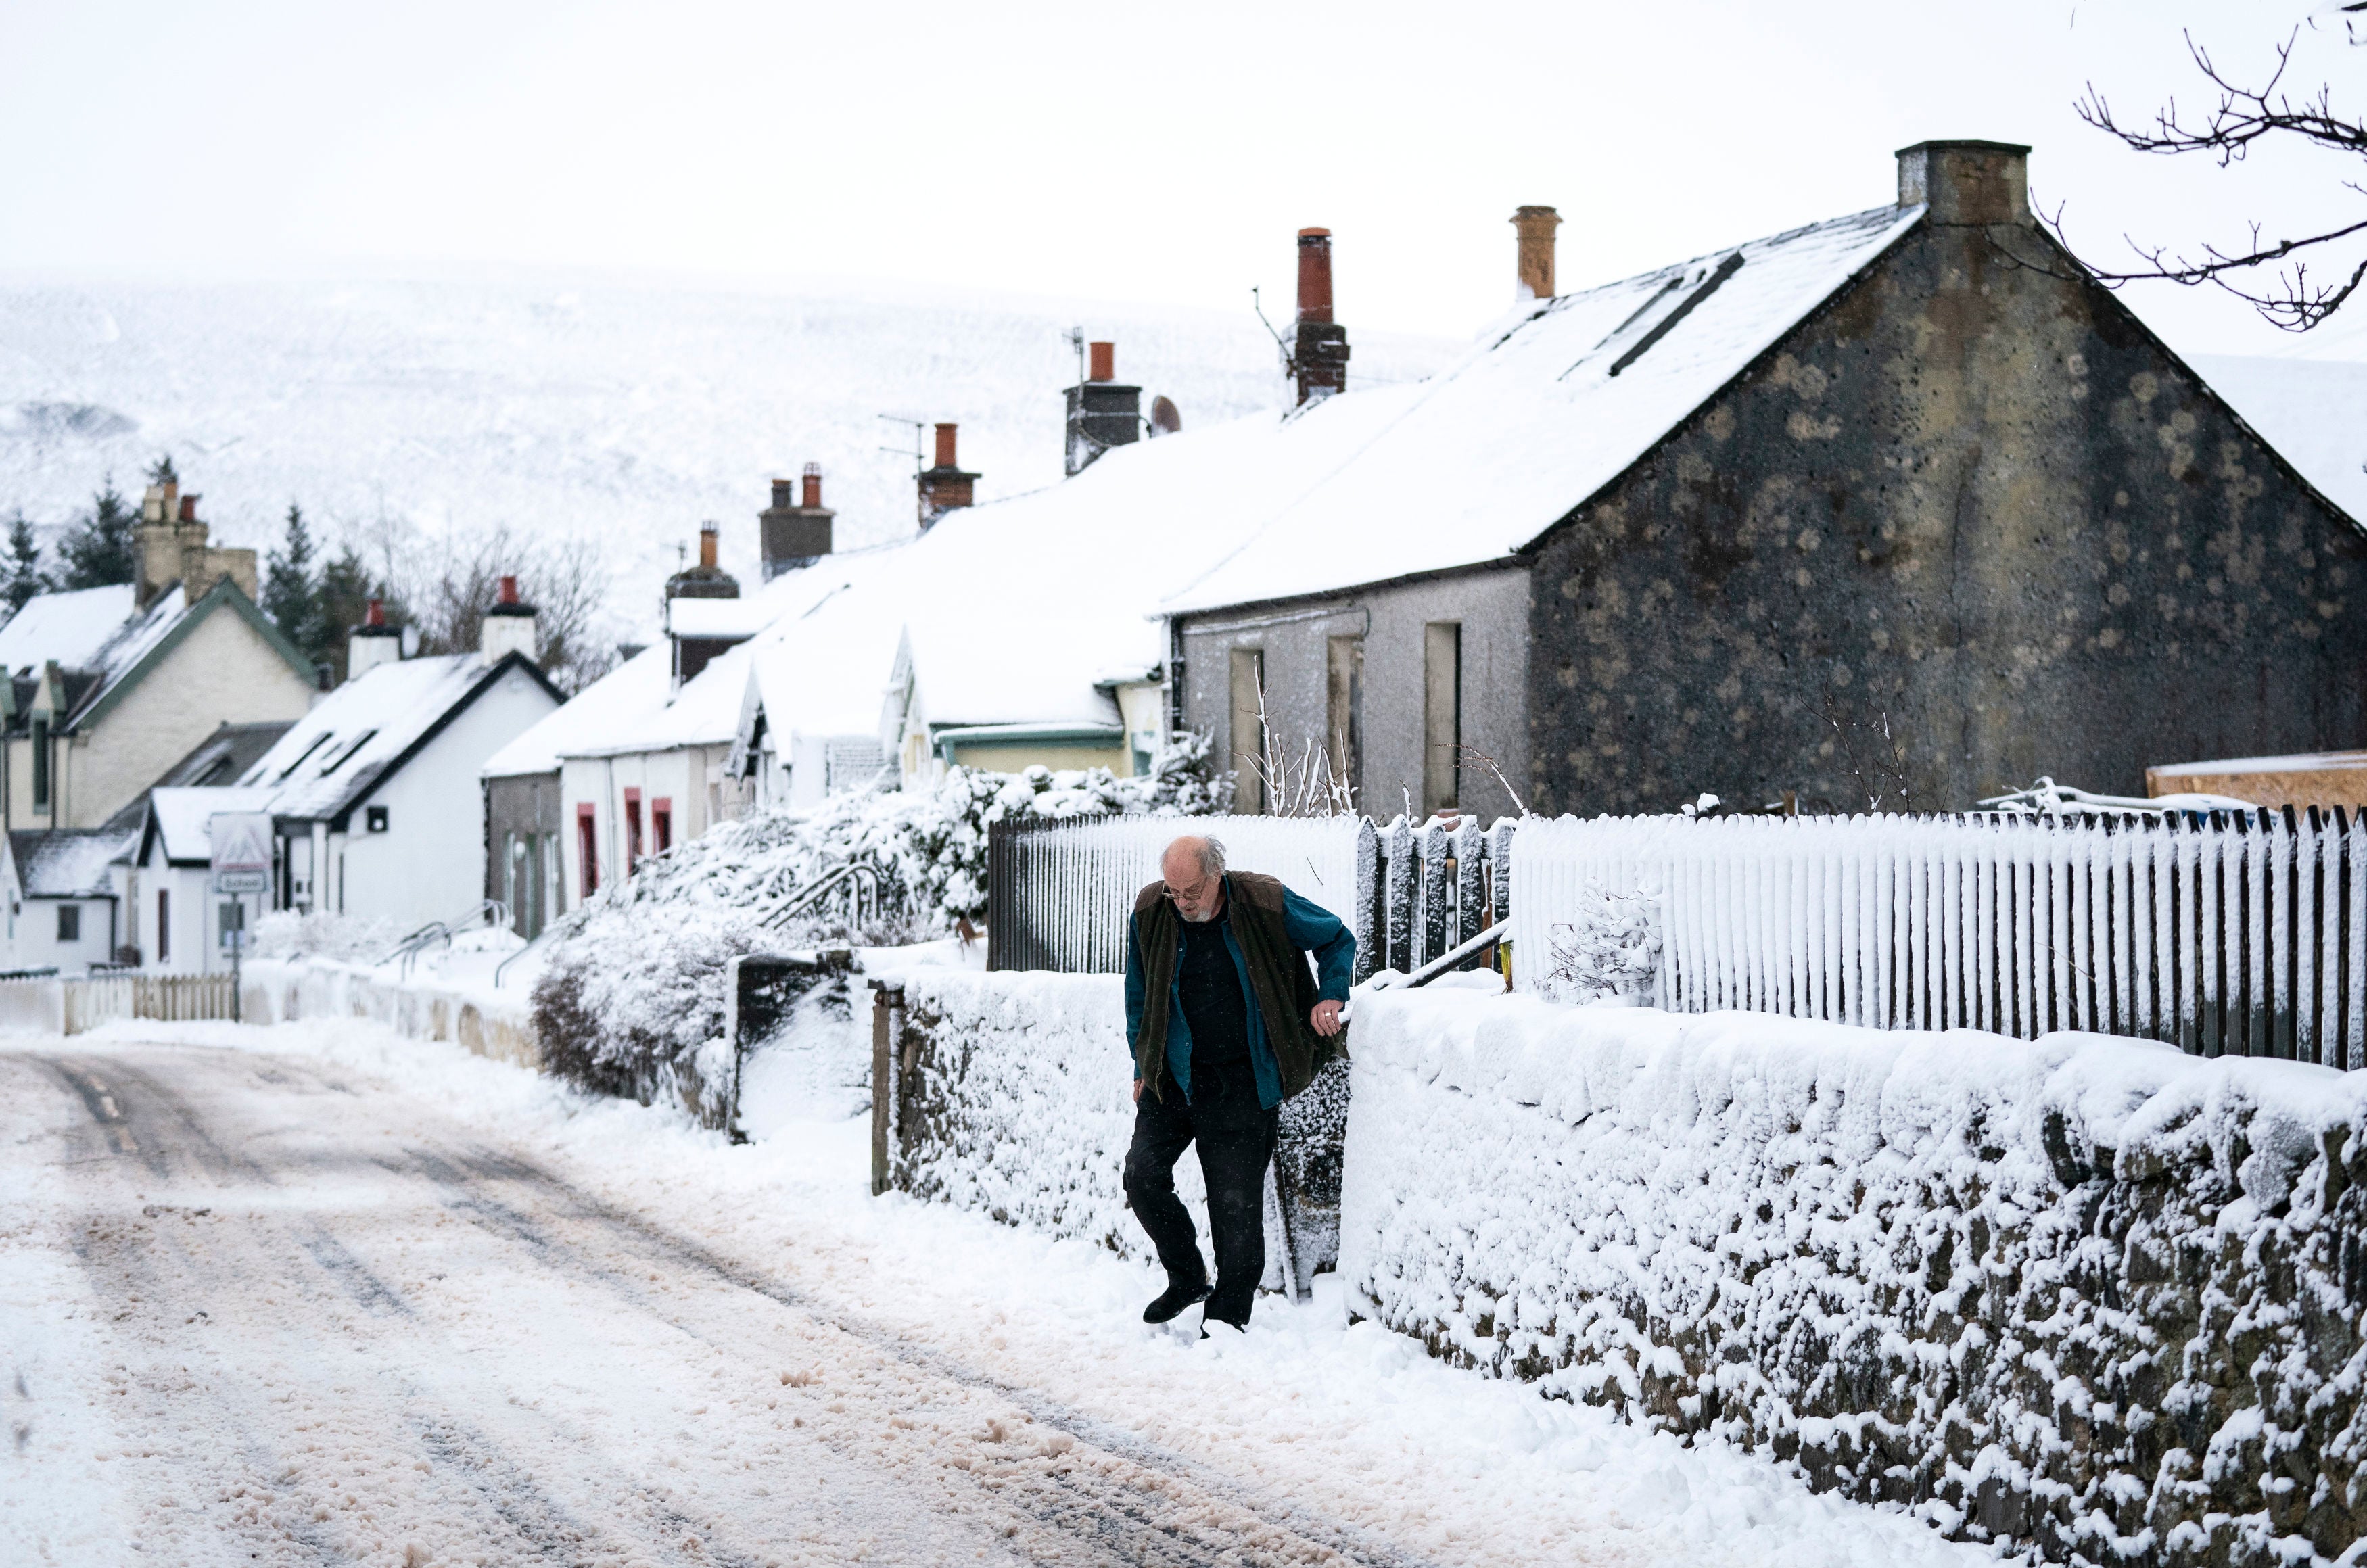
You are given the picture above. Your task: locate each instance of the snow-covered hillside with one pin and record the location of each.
(625, 408)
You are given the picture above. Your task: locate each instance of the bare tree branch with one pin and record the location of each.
(2272, 277)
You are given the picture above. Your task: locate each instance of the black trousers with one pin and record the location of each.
(1236, 1137)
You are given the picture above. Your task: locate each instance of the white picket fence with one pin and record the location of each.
(2236, 934)
(60, 1006)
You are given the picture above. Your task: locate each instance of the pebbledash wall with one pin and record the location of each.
(2085, 1296)
(274, 991)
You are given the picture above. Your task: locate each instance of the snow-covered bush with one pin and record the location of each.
(1610, 948)
(356, 939)
(2088, 1297)
(636, 982)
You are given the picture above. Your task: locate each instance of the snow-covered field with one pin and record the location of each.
(318, 1293)
(622, 408)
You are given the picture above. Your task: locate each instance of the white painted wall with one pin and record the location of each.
(429, 864)
(690, 777)
(33, 935)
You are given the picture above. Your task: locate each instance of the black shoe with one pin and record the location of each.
(1172, 1300)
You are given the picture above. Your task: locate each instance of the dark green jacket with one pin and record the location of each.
(1270, 932)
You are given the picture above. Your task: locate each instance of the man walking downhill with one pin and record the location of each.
(1226, 1024)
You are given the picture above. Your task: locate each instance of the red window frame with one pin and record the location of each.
(660, 824)
(632, 830)
(587, 838)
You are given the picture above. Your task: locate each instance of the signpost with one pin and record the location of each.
(242, 865)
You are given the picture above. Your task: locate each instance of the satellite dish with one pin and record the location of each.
(1164, 419)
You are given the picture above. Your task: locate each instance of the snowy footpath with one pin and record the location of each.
(318, 1294)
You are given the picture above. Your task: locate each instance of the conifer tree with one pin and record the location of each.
(160, 472)
(291, 594)
(98, 549)
(22, 577)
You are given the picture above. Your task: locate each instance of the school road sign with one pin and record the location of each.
(241, 850)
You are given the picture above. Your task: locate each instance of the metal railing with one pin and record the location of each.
(856, 884)
(485, 913)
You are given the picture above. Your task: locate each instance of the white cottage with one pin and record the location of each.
(63, 911)
(185, 923)
(375, 793)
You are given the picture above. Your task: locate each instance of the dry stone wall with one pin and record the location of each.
(2085, 1297)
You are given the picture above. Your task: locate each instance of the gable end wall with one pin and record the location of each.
(1973, 499)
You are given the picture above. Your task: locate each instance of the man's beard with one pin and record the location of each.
(1196, 920)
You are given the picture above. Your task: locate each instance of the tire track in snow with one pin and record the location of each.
(1115, 1516)
(140, 1116)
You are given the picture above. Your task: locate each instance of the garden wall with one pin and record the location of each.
(1013, 1101)
(2083, 1295)
(279, 991)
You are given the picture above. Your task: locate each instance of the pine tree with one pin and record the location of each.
(160, 472)
(97, 548)
(22, 577)
(343, 600)
(292, 595)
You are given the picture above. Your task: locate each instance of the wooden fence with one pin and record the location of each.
(1058, 893)
(2234, 933)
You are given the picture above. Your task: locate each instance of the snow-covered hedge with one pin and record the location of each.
(2087, 1296)
(1018, 1106)
(634, 990)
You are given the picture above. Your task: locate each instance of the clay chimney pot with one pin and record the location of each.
(189, 508)
(707, 543)
(946, 447)
(375, 614)
(509, 591)
(1105, 362)
(1315, 275)
(813, 486)
(1534, 227)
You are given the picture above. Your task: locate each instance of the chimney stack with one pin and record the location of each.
(790, 533)
(946, 487)
(1966, 184)
(373, 642)
(707, 580)
(509, 626)
(1318, 345)
(1535, 226)
(1102, 414)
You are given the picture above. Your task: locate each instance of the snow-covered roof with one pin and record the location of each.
(1480, 459)
(620, 703)
(67, 628)
(2301, 763)
(67, 862)
(336, 753)
(182, 816)
(716, 618)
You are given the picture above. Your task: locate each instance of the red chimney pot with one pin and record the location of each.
(707, 542)
(1315, 275)
(189, 509)
(946, 447)
(509, 591)
(1105, 362)
(814, 487)
(375, 614)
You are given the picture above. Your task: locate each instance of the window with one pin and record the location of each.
(632, 830)
(318, 742)
(375, 816)
(587, 844)
(1442, 716)
(69, 922)
(40, 763)
(661, 824)
(1343, 711)
(163, 925)
(336, 758)
(1249, 730)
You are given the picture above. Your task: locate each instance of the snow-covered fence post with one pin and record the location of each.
(1470, 886)
(1401, 897)
(1372, 899)
(887, 1012)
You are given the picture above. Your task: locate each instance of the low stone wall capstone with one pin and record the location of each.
(2084, 1297)
(280, 991)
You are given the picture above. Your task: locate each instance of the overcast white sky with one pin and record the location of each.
(1128, 152)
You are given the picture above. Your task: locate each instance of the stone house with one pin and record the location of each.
(1722, 526)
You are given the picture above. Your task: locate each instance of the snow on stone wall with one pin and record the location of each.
(2084, 1295)
(1018, 1104)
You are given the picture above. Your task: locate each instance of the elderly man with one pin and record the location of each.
(1225, 1024)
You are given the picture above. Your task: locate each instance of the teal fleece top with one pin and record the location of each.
(1310, 927)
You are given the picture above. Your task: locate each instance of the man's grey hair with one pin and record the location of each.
(1211, 851)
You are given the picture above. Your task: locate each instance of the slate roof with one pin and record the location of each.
(366, 729)
(67, 862)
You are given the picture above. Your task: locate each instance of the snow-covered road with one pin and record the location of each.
(348, 1299)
